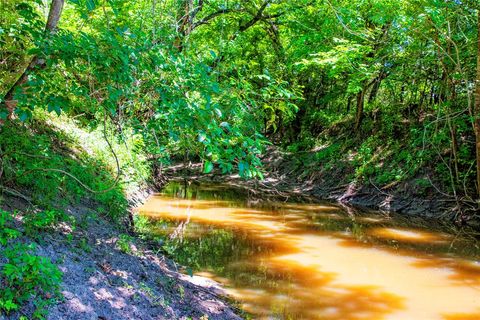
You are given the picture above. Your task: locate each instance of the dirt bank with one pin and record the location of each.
(108, 274)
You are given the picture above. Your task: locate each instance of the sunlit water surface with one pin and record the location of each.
(284, 260)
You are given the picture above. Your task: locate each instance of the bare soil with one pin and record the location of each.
(103, 282)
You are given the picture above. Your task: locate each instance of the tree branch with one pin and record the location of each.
(211, 16)
(256, 18)
(36, 62)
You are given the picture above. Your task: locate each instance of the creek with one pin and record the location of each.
(315, 260)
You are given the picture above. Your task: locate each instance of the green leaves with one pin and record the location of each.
(42, 221)
(8, 305)
(91, 5)
(23, 114)
(56, 104)
(25, 276)
(7, 232)
(3, 114)
(207, 167)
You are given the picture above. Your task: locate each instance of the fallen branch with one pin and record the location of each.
(16, 193)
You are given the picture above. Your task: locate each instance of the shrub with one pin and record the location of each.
(124, 243)
(6, 233)
(42, 221)
(25, 276)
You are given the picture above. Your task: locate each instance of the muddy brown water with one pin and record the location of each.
(284, 260)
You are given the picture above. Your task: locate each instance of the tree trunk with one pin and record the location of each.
(36, 62)
(477, 109)
(184, 21)
(360, 105)
(376, 86)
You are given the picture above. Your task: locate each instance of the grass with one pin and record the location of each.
(50, 163)
(42, 156)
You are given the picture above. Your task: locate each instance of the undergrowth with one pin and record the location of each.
(24, 276)
(423, 156)
(50, 163)
(40, 157)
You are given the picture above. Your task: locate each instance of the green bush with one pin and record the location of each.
(331, 152)
(32, 156)
(124, 243)
(6, 232)
(25, 276)
(42, 221)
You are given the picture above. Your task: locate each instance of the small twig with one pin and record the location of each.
(16, 193)
(382, 192)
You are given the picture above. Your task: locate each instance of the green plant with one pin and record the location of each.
(124, 243)
(26, 276)
(83, 245)
(141, 224)
(32, 153)
(42, 221)
(147, 290)
(181, 291)
(6, 233)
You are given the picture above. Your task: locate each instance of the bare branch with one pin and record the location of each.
(211, 16)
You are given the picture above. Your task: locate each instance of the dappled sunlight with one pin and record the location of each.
(308, 261)
(317, 208)
(410, 235)
(464, 272)
(309, 294)
(425, 292)
(371, 219)
(214, 213)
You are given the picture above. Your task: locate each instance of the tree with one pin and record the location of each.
(37, 61)
(477, 108)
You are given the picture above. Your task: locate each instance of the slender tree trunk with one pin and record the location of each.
(54, 16)
(376, 86)
(423, 95)
(37, 62)
(477, 109)
(273, 32)
(184, 21)
(360, 107)
(453, 136)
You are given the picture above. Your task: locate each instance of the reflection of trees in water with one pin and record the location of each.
(284, 290)
(179, 231)
(191, 190)
(357, 225)
(208, 248)
(293, 290)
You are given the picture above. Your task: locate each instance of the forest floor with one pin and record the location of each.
(285, 178)
(110, 275)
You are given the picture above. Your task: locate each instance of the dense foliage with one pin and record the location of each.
(97, 95)
(388, 83)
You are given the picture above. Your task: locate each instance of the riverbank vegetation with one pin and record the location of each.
(97, 97)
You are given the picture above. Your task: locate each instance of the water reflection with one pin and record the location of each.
(316, 261)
